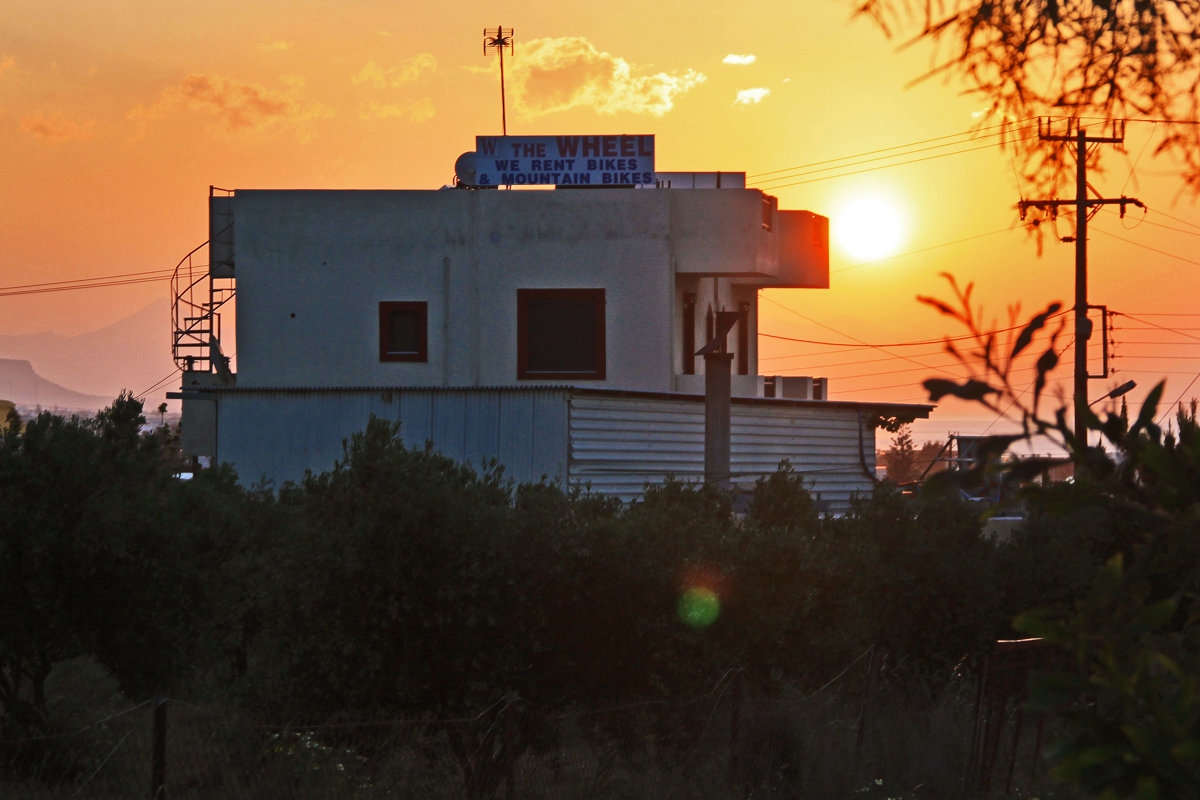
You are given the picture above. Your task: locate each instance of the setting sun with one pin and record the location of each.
(868, 227)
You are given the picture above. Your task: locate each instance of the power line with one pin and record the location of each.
(878, 261)
(806, 170)
(1179, 399)
(99, 282)
(1177, 219)
(875, 152)
(1162, 314)
(884, 166)
(80, 280)
(159, 384)
(923, 343)
(1147, 221)
(834, 330)
(1158, 343)
(1152, 327)
(998, 130)
(1159, 327)
(840, 391)
(1148, 247)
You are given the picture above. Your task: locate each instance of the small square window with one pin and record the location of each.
(402, 331)
(769, 204)
(560, 333)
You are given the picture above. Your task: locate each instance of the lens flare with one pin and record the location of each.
(699, 607)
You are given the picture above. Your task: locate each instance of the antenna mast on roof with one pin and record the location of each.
(500, 39)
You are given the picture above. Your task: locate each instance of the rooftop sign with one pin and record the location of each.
(616, 160)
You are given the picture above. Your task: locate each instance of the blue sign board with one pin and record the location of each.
(612, 160)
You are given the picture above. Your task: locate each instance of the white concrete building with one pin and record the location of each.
(495, 323)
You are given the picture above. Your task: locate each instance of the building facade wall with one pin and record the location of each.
(312, 267)
(613, 442)
(277, 435)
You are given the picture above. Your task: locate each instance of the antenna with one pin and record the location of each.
(500, 39)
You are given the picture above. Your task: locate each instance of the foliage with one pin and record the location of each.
(389, 590)
(901, 458)
(409, 583)
(104, 553)
(927, 582)
(1131, 626)
(1079, 58)
(9, 417)
(404, 584)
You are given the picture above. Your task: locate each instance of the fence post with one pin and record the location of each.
(735, 717)
(158, 765)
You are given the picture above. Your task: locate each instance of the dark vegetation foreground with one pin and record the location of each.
(405, 626)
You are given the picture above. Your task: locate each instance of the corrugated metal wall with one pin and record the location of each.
(615, 442)
(619, 443)
(280, 433)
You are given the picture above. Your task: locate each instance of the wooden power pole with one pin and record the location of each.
(1083, 205)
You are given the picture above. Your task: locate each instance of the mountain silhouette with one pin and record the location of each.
(132, 353)
(19, 384)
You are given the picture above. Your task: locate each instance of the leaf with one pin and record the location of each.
(943, 308)
(970, 389)
(1047, 362)
(1027, 468)
(1187, 750)
(1157, 615)
(1147, 788)
(991, 448)
(1145, 419)
(1025, 338)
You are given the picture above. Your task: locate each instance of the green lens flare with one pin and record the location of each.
(698, 607)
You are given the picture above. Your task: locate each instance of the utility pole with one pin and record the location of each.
(1083, 204)
(501, 39)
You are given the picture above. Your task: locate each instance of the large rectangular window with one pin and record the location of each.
(560, 333)
(402, 331)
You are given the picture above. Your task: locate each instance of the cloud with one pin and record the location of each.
(57, 127)
(407, 71)
(739, 60)
(275, 44)
(750, 97)
(5, 63)
(419, 110)
(557, 74)
(240, 106)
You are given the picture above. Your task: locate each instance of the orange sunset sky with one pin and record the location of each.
(115, 118)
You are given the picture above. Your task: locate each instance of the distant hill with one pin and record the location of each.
(19, 384)
(133, 353)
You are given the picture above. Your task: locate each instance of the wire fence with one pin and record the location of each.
(849, 739)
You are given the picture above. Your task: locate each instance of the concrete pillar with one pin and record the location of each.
(717, 405)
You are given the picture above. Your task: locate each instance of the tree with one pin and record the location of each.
(103, 553)
(901, 458)
(9, 418)
(1078, 58)
(391, 591)
(1130, 633)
